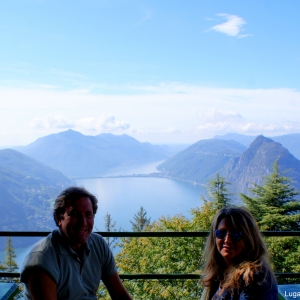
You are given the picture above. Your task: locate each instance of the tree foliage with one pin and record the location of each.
(166, 256)
(161, 256)
(218, 192)
(285, 255)
(110, 226)
(10, 263)
(141, 221)
(203, 216)
(275, 208)
(273, 204)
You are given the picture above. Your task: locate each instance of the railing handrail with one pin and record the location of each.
(144, 233)
(157, 276)
(150, 234)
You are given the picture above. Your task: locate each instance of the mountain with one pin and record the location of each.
(245, 140)
(289, 141)
(257, 161)
(27, 190)
(78, 155)
(201, 160)
(239, 165)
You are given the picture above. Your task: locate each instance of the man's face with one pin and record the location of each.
(77, 222)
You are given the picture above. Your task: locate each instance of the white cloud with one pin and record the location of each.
(174, 113)
(51, 121)
(103, 123)
(222, 121)
(248, 128)
(232, 27)
(267, 128)
(170, 130)
(218, 115)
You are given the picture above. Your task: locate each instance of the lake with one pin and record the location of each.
(123, 197)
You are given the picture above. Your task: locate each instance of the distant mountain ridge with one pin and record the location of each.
(201, 160)
(245, 140)
(289, 141)
(240, 166)
(257, 161)
(78, 155)
(27, 190)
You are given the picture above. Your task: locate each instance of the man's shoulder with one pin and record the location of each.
(96, 235)
(46, 243)
(97, 243)
(96, 238)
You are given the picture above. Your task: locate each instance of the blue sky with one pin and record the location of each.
(161, 71)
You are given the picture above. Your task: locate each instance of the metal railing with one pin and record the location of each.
(150, 234)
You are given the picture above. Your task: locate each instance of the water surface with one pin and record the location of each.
(123, 197)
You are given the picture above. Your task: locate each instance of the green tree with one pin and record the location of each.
(274, 205)
(218, 192)
(162, 256)
(109, 226)
(11, 264)
(275, 208)
(219, 197)
(141, 221)
(203, 217)
(167, 256)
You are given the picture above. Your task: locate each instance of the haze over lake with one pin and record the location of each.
(122, 197)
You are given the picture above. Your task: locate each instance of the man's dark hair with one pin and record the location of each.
(68, 197)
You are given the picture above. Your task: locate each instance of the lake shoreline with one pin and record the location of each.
(151, 175)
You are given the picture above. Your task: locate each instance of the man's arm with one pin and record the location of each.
(116, 289)
(41, 286)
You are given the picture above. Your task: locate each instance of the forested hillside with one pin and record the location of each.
(27, 189)
(201, 160)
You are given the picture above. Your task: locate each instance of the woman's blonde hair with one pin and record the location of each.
(253, 258)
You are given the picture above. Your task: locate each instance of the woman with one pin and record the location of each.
(236, 264)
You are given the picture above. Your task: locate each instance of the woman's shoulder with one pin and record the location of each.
(263, 287)
(264, 277)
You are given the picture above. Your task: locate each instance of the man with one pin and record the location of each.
(70, 262)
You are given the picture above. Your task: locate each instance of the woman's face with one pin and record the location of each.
(228, 247)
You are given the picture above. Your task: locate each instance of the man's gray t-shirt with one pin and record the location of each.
(54, 256)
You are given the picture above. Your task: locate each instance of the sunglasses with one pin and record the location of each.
(221, 234)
